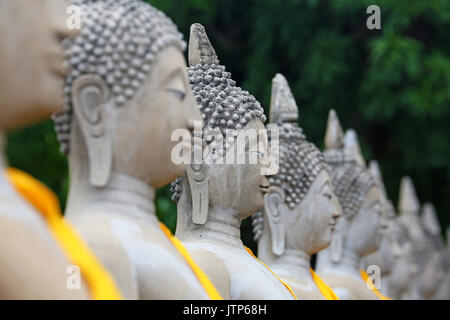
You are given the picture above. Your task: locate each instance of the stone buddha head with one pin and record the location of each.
(126, 93)
(434, 270)
(423, 253)
(234, 127)
(383, 257)
(401, 271)
(31, 60)
(360, 228)
(300, 209)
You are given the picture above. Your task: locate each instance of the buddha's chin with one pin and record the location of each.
(51, 97)
(251, 208)
(325, 240)
(166, 177)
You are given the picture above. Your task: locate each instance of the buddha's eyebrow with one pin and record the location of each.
(178, 72)
(326, 183)
(373, 202)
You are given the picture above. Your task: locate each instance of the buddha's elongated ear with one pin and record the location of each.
(197, 173)
(89, 97)
(273, 204)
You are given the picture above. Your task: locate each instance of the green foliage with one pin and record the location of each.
(391, 85)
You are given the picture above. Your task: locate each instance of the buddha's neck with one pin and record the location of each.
(6, 188)
(222, 226)
(295, 263)
(350, 263)
(122, 194)
(3, 180)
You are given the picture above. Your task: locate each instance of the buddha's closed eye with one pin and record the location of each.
(179, 94)
(328, 196)
(259, 154)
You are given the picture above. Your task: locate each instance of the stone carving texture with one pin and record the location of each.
(351, 180)
(118, 42)
(300, 161)
(226, 109)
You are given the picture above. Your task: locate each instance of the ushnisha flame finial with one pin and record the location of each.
(200, 49)
(376, 173)
(352, 149)
(430, 220)
(334, 137)
(283, 107)
(408, 203)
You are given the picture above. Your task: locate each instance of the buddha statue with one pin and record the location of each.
(33, 263)
(402, 269)
(433, 280)
(300, 209)
(444, 290)
(126, 93)
(384, 256)
(216, 193)
(422, 251)
(359, 231)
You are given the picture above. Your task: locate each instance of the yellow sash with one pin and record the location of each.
(284, 283)
(202, 277)
(365, 277)
(99, 281)
(324, 289)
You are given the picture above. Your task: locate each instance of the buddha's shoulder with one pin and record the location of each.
(226, 256)
(349, 288)
(211, 260)
(139, 239)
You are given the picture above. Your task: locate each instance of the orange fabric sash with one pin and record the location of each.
(284, 283)
(324, 289)
(99, 281)
(201, 276)
(365, 277)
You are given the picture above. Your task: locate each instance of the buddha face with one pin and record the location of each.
(366, 227)
(144, 126)
(309, 226)
(402, 269)
(31, 60)
(384, 256)
(386, 250)
(431, 276)
(241, 187)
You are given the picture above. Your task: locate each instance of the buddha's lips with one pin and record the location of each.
(264, 188)
(332, 225)
(55, 61)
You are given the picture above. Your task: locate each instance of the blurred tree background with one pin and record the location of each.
(391, 85)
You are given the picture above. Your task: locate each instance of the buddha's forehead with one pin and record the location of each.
(373, 196)
(169, 64)
(322, 180)
(254, 125)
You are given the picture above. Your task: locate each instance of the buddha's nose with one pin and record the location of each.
(337, 207)
(191, 124)
(384, 222)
